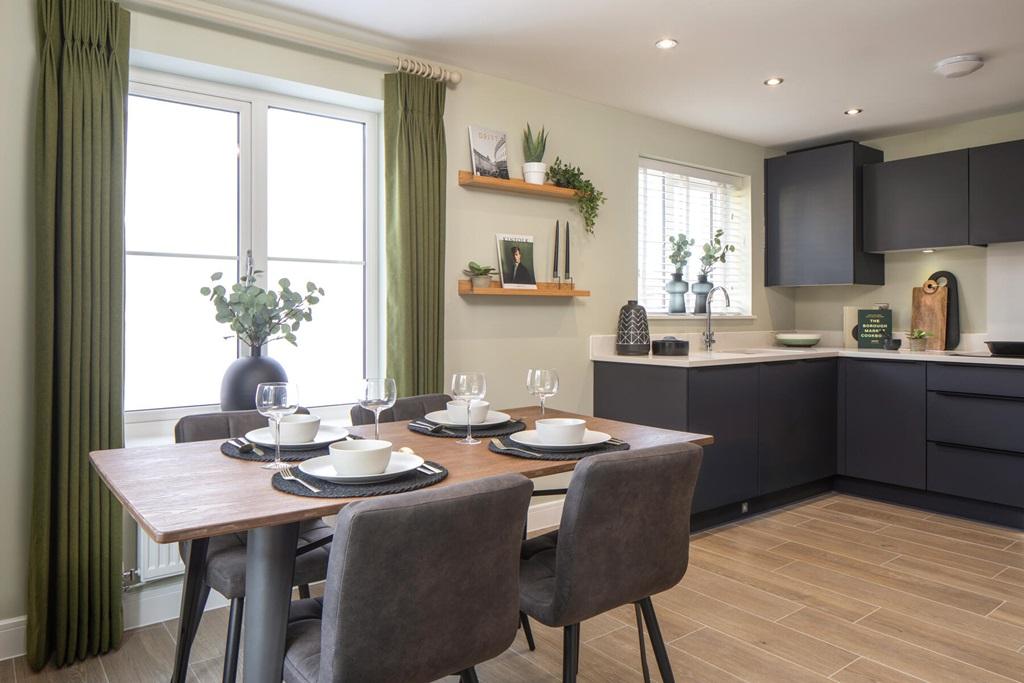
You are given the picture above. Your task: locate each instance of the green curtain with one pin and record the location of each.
(74, 590)
(415, 162)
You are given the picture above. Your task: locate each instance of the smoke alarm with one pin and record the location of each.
(961, 65)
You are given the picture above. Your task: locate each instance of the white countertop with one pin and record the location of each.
(760, 348)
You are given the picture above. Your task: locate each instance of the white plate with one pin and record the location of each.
(325, 435)
(321, 468)
(493, 418)
(529, 438)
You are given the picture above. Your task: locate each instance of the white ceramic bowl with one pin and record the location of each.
(359, 457)
(296, 429)
(561, 431)
(477, 411)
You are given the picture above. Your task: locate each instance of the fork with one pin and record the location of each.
(430, 428)
(288, 474)
(500, 446)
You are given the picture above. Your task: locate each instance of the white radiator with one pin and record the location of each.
(157, 560)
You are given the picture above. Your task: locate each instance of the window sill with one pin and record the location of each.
(699, 316)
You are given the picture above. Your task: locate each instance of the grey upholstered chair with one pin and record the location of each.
(219, 562)
(624, 536)
(408, 408)
(421, 585)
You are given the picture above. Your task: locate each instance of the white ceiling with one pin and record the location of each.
(834, 54)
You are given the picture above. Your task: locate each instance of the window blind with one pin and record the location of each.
(676, 199)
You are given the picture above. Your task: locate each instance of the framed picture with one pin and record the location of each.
(515, 261)
(489, 152)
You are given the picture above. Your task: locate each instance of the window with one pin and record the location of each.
(215, 172)
(675, 199)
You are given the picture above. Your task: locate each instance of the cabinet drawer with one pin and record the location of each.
(976, 421)
(974, 379)
(981, 475)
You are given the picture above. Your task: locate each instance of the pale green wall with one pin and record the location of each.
(820, 308)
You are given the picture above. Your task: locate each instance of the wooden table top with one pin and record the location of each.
(178, 492)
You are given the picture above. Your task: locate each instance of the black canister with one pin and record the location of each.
(634, 335)
(670, 346)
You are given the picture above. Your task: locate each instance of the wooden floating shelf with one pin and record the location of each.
(547, 190)
(548, 289)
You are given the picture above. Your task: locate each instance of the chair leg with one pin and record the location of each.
(194, 593)
(657, 642)
(468, 676)
(643, 648)
(234, 640)
(576, 658)
(570, 653)
(524, 621)
(304, 591)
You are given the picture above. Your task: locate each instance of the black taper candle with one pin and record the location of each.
(554, 275)
(567, 276)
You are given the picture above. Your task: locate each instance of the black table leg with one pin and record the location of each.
(194, 592)
(269, 571)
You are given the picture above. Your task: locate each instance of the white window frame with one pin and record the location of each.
(670, 165)
(252, 105)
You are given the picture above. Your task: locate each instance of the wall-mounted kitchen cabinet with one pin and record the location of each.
(917, 203)
(997, 202)
(813, 221)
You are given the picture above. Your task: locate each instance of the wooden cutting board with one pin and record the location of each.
(930, 305)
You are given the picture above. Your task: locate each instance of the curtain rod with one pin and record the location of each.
(296, 35)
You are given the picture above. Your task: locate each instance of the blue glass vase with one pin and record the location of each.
(701, 289)
(677, 289)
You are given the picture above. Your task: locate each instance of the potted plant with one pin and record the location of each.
(534, 168)
(679, 255)
(588, 198)
(479, 275)
(714, 252)
(256, 317)
(918, 339)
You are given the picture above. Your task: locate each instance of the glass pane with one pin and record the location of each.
(314, 187)
(182, 178)
(327, 364)
(175, 352)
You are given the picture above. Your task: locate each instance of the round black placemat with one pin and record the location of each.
(407, 482)
(478, 432)
(532, 454)
(230, 450)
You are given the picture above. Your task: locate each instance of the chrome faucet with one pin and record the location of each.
(709, 336)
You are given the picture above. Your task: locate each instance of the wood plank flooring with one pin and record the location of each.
(833, 589)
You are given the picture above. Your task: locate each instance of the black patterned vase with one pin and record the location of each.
(634, 335)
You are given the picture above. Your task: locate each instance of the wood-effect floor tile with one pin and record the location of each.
(808, 536)
(1012, 575)
(743, 660)
(87, 671)
(852, 521)
(901, 517)
(867, 671)
(1004, 557)
(738, 594)
(992, 587)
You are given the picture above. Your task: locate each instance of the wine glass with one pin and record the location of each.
(275, 400)
(379, 394)
(543, 384)
(469, 387)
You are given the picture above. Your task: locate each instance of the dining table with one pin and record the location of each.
(192, 492)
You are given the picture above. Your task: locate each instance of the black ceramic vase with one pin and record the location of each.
(634, 334)
(700, 290)
(238, 388)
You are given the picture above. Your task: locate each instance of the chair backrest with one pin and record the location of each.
(625, 529)
(424, 584)
(408, 408)
(224, 425)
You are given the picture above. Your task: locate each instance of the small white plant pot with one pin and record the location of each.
(481, 281)
(534, 172)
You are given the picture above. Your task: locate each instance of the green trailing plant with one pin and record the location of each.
(534, 147)
(681, 251)
(919, 334)
(714, 252)
(476, 270)
(258, 316)
(588, 198)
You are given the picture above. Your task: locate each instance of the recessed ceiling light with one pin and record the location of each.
(853, 111)
(773, 81)
(927, 251)
(666, 43)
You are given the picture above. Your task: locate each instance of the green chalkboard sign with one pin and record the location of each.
(874, 327)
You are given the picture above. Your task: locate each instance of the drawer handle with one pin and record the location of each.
(982, 449)
(961, 394)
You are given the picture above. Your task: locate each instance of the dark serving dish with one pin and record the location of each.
(1006, 348)
(670, 346)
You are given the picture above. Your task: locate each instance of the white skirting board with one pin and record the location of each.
(150, 604)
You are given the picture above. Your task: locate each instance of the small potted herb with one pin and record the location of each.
(679, 255)
(918, 339)
(479, 275)
(714, 252)
(534, 168)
